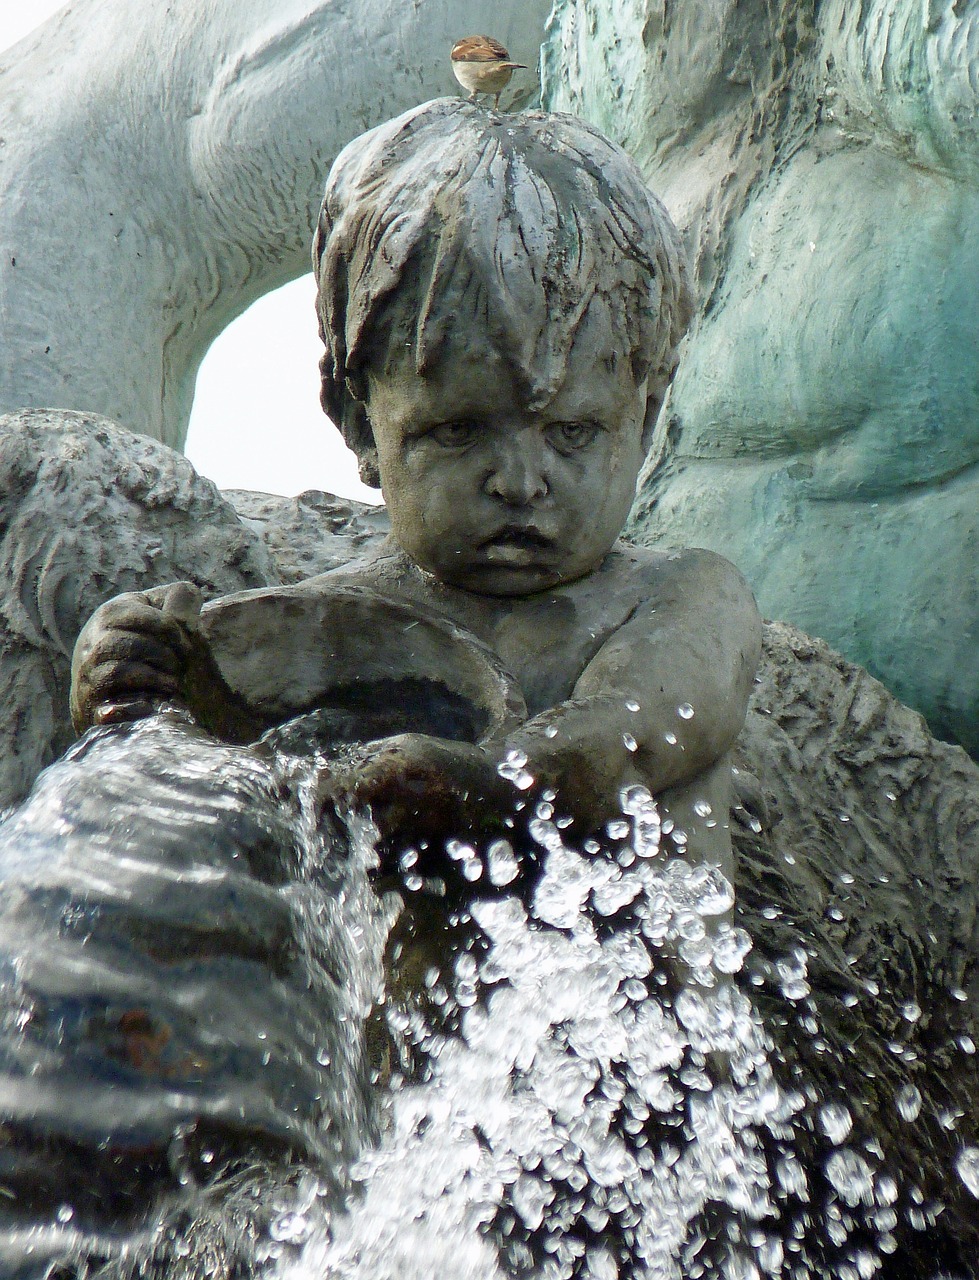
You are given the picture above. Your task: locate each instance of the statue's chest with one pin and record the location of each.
(547, 644)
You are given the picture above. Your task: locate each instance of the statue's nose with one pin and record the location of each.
(518, 474)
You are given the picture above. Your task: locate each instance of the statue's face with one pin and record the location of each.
(497, 497)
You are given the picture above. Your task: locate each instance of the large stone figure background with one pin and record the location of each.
(162, 169)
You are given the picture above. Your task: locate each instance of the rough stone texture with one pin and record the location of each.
(88, 510)
(867, 863)
(160, 171)
(821, 430)
(311, 533)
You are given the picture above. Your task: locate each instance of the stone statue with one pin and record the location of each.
(741, 136)
(821, 430)
(501, 301)
(502, 392)
(499, 370)
(136, 170)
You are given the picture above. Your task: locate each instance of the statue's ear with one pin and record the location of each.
(367, 468)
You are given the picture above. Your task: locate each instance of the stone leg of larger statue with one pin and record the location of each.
(821, 431)
(88, 510)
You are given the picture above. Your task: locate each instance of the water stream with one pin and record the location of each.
(595, 1071)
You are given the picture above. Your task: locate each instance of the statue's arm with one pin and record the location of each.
(692, 645)
(663, 699)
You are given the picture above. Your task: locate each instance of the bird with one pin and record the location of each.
(482, 65)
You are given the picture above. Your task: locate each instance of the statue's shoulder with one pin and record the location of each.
(654, 567)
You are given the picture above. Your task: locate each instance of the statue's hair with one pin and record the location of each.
(451, 213)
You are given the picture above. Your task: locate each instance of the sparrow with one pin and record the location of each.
(482, 65)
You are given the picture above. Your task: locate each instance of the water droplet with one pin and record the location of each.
(967, 1044)
(631, 704)
(501, 863)
(290, 1228)
(629, 742)
(909, 1102)
(835, 1121)
(911, 1011)
(617, 829)
(671, 738)
(792, 1177)
(65, 1213)
(512, 768)
(685, 711)
(730, 948)
(550, 731)
(851, 1177)
(886, 1191)
(702, 809)
(967, 1167)
(639, 805)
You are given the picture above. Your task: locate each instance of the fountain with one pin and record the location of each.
(329, 951)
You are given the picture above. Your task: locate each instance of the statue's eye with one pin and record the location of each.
(454, 435)
(568, 436)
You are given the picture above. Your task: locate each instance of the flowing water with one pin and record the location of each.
(592, 1071)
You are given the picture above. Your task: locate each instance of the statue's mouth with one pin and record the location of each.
(517, 547)
(519, 537)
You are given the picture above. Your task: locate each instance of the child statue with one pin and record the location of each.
(501, 300)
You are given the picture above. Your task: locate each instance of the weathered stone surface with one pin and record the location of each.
(311, 533)
(867, 864)
(821, 429)
(87, 510)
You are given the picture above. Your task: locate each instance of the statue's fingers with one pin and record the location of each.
(110, 681)
(129, 647)
(133, 613)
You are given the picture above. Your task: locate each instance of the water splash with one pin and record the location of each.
(582, 1080)
(578, 1125)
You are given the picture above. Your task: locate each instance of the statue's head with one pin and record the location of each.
(469, 263)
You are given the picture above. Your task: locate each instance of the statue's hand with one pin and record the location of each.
(421, 789)
(133, 654)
